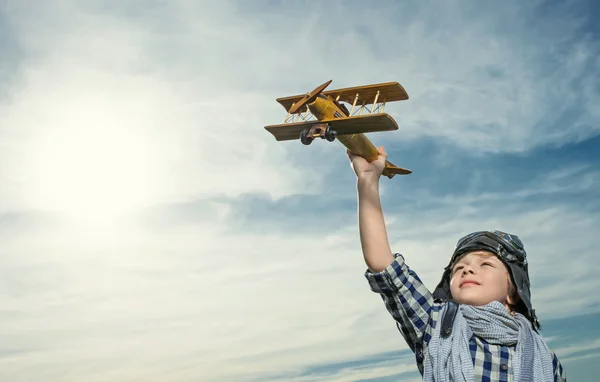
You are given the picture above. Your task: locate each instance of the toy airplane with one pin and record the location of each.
(333, 120)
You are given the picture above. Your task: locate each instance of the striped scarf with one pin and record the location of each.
(449, 359)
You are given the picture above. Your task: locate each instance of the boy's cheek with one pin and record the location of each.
(451, 287)
(452, 282)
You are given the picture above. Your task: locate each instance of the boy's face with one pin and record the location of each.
(479, 278)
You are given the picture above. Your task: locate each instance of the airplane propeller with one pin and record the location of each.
(309, 97)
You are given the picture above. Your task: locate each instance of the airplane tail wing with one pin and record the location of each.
(391, 169)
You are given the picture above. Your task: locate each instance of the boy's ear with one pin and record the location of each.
(512, 292)
(509, 300)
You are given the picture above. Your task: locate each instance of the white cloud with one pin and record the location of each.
(573, 352)
(94, 127)
(193, 299)
(113, 114)
(375, 370)
(202, 92)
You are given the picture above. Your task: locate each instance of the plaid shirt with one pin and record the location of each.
(413, 308)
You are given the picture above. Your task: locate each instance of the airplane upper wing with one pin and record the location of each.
(388, 92)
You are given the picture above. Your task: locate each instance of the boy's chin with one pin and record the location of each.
(473, 301)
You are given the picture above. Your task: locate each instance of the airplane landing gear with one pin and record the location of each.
(321, 130)
(330, 134)
(305, 138)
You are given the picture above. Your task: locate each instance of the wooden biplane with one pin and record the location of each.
(321, 114)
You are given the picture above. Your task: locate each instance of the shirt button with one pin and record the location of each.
(504, 367)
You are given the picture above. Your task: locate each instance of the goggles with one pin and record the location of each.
(515, 251)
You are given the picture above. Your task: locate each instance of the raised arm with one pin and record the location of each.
(373, 234)
(407, 300)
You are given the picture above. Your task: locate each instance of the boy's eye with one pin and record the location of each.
(457, 269)
(486, 263)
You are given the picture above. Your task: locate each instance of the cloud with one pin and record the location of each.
(137, 135)
(199, 291)
(178, 85)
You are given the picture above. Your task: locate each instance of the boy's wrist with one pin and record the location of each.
(368, 183)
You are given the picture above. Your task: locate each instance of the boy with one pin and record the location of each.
(479, 324)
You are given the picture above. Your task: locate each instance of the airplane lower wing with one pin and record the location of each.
(368, 123)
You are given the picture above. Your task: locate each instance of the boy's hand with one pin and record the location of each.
(365, 170)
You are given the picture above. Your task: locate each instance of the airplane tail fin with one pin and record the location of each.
(391, 169)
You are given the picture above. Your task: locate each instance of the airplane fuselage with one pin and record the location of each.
(324, 107)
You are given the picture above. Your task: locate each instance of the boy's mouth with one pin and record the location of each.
(469, 282)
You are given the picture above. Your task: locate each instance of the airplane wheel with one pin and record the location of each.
(304, 138)
(330, 134)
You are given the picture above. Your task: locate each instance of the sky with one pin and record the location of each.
(153, 230)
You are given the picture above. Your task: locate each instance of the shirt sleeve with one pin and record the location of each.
(406, 298)
(559, 372)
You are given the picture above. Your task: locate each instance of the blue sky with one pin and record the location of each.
(152, 229)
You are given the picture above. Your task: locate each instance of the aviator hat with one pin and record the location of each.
(510, 251)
